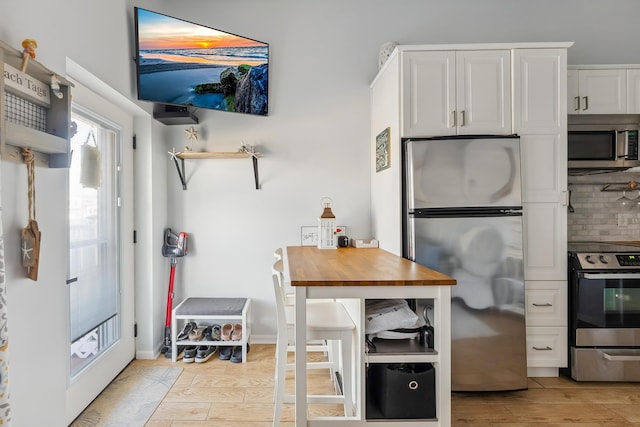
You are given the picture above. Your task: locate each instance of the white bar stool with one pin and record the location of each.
(325, 321)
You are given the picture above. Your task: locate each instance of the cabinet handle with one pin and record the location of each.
(462, 118)
(586, 102)
(547, 348)
(577, 103)
(546, 304)
(453, 119)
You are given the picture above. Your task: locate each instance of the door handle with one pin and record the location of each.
(586, 103)
(577, 103)
(621, 358)
(71, 280)
(546, 304)
(453, 119)
(462, 118)
(547, 348)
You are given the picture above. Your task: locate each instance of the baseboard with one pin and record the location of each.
(147, 355)
(542, 372)
(262, 339)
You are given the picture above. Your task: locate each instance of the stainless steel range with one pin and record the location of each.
(604, 312)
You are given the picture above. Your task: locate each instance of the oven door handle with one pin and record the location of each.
(621, 358)
(611, 275)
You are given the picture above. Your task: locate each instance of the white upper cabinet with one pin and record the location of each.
(597, 91)
(633, 91)
(456, 92)
(538, 95)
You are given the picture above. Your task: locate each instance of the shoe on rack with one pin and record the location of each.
(236, 354)
(216, 332)
(225, 353)
(204, 353)
(206, 333)
(197, 334)
(236, 335)
(184, 334)
(189, 353)
(212, 333)
(226, 331)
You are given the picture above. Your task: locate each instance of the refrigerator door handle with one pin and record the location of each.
(411, 233)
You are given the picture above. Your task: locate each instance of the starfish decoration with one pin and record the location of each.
(249, 149)
(173, 153)
(26, 251)
(192, 134)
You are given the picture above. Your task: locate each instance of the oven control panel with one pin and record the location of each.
(609, 261)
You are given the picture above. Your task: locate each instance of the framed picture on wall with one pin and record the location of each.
(309, 234)
(383, 150)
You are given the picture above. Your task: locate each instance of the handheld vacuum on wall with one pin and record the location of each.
(174, 246)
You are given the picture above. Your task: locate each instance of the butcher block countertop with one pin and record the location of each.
(310, 266)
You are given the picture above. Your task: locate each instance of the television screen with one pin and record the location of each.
(186, 64)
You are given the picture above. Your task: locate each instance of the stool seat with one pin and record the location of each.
(325, 316)
(209, 306)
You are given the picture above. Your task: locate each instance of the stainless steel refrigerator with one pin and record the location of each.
(463, 217)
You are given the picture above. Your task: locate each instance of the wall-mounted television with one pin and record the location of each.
(190, 65)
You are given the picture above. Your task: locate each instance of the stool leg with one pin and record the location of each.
(174, 334)
(346, 345)
(333, 354)
(281, 372)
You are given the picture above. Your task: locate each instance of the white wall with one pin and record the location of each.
(315, 143)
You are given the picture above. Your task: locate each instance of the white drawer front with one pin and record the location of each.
(546, 303)
(546, 347)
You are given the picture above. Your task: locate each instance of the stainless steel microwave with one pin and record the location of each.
(603, 146)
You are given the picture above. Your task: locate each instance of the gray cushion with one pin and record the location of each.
(212, 306)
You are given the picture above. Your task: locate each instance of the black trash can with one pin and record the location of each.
(401, 390)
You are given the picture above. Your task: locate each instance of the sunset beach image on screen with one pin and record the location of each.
(186, 64)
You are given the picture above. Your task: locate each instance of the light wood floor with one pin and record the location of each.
(221, 393)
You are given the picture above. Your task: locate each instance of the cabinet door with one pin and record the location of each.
(603, 91)
(428, 89)
(545, 241)
(543, 160)
(483, 87)
(539, 96)
(633, 91)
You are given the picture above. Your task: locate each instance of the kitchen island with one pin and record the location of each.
(353, 276)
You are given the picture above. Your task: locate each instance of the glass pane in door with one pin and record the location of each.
(93, 242)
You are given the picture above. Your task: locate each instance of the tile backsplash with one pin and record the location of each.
(596, 214)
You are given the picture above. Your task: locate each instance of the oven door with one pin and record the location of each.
(606, 300)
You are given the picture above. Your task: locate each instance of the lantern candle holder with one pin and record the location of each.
(327, 226)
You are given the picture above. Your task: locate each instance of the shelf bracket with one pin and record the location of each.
(255, 171)
(180, 170)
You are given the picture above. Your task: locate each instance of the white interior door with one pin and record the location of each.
(101, 285)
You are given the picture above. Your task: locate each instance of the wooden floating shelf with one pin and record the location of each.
(214, 155)
(194, 155)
